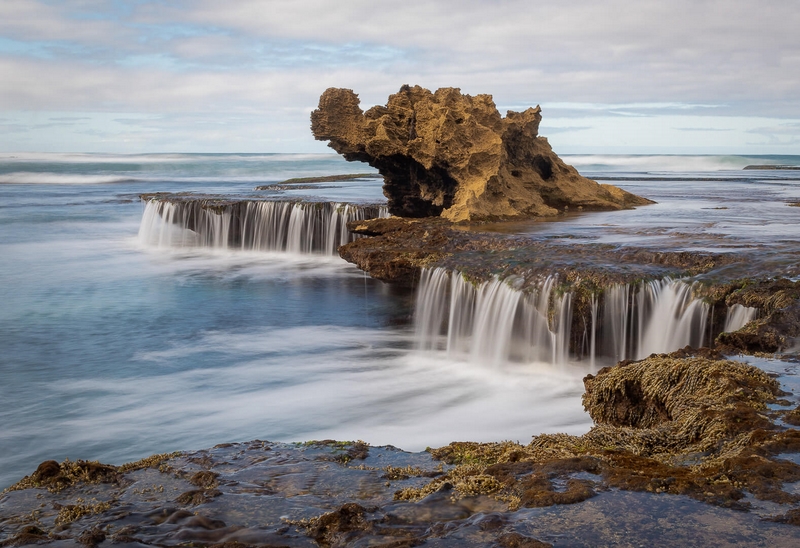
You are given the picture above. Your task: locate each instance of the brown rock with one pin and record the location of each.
(454, 155)
(48, 469)
(699, 400)
(333, 528)
(774, 332)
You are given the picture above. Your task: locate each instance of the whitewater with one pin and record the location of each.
(124, 333)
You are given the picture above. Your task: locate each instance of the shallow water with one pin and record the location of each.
(114, 351)
(728, 214)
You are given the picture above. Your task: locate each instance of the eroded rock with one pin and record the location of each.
(306, 494)
(399, 247)
(454, 155)
(686, 423)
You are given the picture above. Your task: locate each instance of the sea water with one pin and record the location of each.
(111, 349)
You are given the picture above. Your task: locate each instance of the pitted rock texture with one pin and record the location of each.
(454, 155)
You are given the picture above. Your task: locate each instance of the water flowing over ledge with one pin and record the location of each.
(494, 322)
(295, 227)
(738, 316)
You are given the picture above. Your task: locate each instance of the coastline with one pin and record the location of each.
(619, 482)
(454, 508)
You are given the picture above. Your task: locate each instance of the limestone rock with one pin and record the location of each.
(454, 155)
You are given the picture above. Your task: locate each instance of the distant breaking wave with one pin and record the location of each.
(671, 163)
(100, 158)
(30, 178)
(47, 178)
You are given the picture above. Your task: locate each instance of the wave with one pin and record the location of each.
(671, 163)
(50, 178)
(100, 158)
(33, 178)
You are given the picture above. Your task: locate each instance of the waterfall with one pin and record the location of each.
(431, 308)
(295, 227)
(496, 321)
(492, 322)
(616, 314)
(669, 317)
(738, 315)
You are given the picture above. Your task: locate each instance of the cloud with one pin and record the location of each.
(549, 130)
(69, 118)
(205, 60)
(787, 133)
(12, 128)
(703, 129)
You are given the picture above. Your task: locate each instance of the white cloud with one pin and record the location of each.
(606, 59)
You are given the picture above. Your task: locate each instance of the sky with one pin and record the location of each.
(612, 76)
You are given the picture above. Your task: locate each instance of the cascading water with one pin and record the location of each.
(616, 315)
(738, 316)
(492, 322)
(669, 317)
(295, 227)
(495, 321)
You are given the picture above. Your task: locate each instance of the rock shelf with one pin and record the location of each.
(688, 426)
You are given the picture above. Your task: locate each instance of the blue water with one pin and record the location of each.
(110, 350)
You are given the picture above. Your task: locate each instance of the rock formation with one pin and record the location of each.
(689, 423)
(454, 155)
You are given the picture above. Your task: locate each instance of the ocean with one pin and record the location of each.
(113, 348)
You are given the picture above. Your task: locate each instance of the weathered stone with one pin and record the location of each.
(686, 423)
(399, 247)
(778, 326)
(454, 155)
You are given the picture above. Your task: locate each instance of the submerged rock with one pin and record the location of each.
(453, 155)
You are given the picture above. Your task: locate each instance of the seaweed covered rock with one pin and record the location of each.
(778, 326)
(397, 248)
(454, 155)
(689, 423)
(665, 405)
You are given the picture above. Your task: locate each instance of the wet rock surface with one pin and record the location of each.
(778, 327)
(396, 249)
(688, 449)
(454, 155)
(399, 247)
(686, 423)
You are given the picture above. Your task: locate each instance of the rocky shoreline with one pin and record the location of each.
(687, 448)
(670, 430)
(396, 249)
(689, 436)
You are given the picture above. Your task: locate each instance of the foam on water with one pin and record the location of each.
(24, 178)
(660, 163)
(341, 383)
(495, 323)
(114, 350)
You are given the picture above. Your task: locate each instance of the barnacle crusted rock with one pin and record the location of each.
(454, 155)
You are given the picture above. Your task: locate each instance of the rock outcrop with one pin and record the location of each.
(454, 155)
(687, 423)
